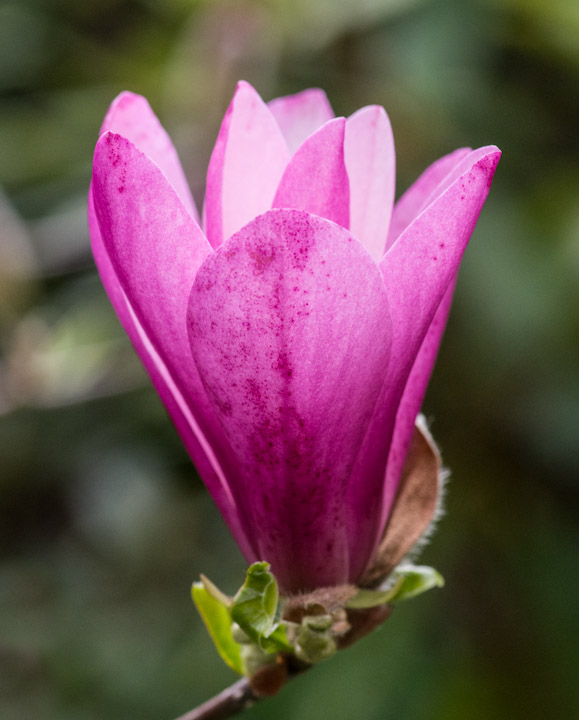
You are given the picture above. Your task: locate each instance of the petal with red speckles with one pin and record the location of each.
(131, 116)
(417, 197)
(418, 270)
(292, 364)
(289, 328)
(154, 248)
(412, 397)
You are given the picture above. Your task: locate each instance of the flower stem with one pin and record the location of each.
(226, 704)
(241, 695)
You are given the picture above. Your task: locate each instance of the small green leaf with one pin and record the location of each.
(414, 580)
(218, 622)
(411, 580)
(215, 592)
(315, 641)
(255, 605)
(277, 640)
(364, 599)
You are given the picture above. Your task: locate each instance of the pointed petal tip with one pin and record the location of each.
(487, 152)
(301, 114)
(109, 140)
(334, 129)
(377, 110)
(371, 163)
(310, 96)
(246, 165)
(126, 97)
(373, 115)
(317, 92)
(113, 154)
(495, 154)
(316, 178)
(122, 103)
(338, 124)
(244, 87)
(313, 91)
(482, 160)
(104, 139)
(486, 159)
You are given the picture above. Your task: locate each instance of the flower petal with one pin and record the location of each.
(148, 249)
(371, 165)
(289, 328)
(315, 179)
(247, 163)
(418, 270)
(417, 196)
(415, 507)
(300, 115)
(131, 116)
(420, 265)
(412, 398)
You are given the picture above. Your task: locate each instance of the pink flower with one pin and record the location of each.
(292, 333)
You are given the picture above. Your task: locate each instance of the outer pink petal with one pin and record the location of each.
(300, 115)
(371, 165)
(149, 249)
(289, 328)
(412, 398)
(418, 269)
(316, 179)
(248, 161)
(420, 265)
(131, 116)
(417, 382)
(418, 195)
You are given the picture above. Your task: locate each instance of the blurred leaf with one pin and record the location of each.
(24, 45)
(277, 640)
(553, 25)
(413, 580)
(18, 263)
(368, 599)
(255, 605)
(218, 622)
(318, 23)
(215, 592)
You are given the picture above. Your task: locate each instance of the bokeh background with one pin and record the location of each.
(103, 521)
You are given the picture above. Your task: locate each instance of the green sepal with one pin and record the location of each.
(217, 620)
(277, 640)
(254, 606)
(315, 641)
(411, 580)
(215, 592)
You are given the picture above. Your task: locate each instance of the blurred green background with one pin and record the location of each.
(103, 521)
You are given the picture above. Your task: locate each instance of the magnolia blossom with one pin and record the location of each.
(291, 331)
